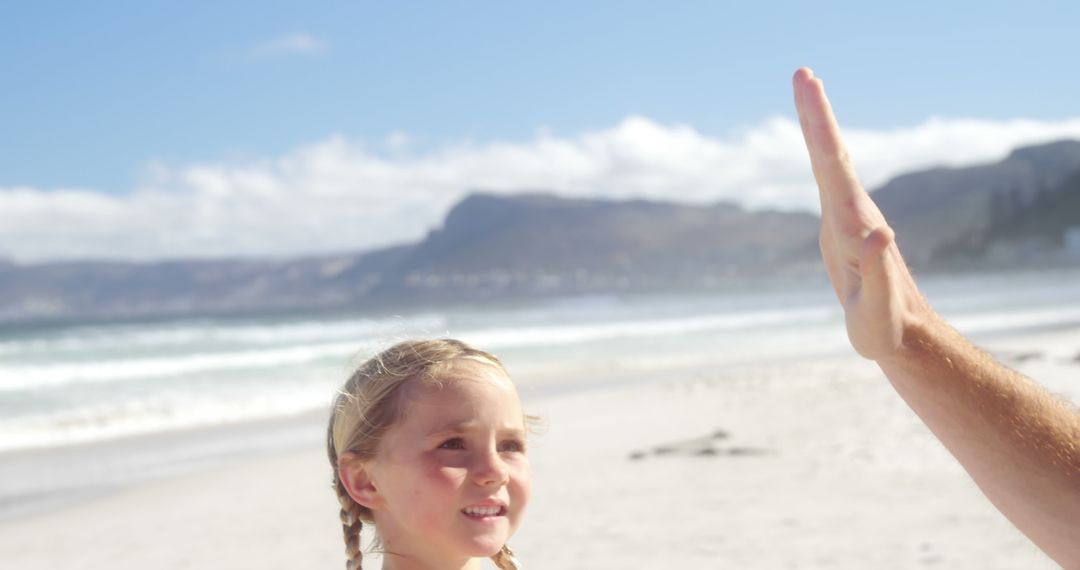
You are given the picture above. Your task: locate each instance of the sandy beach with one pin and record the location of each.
(804, 463)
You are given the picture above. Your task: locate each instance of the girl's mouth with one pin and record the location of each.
(481, 513)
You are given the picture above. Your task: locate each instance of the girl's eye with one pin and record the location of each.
(454, 443)
(512, 445)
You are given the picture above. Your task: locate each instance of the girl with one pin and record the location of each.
(427, 443)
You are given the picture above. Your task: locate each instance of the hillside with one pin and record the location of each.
(1015, 212)
(943, 212)
(489, 247)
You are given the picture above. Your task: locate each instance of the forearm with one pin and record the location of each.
(1019, 443)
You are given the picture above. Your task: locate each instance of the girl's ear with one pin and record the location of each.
(355, 476)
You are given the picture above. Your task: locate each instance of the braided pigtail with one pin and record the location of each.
(505, 560)
(350, 511)
(350, 525)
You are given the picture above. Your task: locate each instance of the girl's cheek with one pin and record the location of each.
(522, 469)
(447, 476)
(522, 480)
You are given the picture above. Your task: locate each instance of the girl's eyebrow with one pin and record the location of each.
(464, 426)
(452, 427)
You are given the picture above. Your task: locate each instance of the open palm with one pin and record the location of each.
(867, 272)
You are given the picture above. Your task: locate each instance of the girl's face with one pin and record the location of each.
(451, 476)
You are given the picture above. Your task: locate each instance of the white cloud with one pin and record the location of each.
(297, 43)
(342, 195)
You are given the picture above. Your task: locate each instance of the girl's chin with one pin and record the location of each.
(485, 547)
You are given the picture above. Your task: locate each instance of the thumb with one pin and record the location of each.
(873, 327)
(875, 266)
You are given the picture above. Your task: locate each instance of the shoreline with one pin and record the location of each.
(811, 462)
(37, 481)
(34, 482)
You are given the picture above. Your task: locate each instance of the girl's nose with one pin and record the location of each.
(490, 469)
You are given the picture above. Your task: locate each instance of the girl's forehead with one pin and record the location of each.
(461, 400)
(471, 369)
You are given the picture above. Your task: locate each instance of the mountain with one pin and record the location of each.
(489, 247)
(945, 213)
(542, 244)
(1036, 228)
(1018, 211)
(129, 290)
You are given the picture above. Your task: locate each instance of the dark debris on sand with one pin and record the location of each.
(700, 447)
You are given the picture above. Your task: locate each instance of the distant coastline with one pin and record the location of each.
(1022, 213)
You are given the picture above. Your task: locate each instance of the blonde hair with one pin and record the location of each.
(369, 404)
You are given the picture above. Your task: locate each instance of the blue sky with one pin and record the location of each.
(118, 98)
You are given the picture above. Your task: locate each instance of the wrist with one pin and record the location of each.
(922, 333)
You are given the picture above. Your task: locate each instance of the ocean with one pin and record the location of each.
(73, 384)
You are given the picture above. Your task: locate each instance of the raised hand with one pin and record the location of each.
(870, 278)
(1019, 443)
